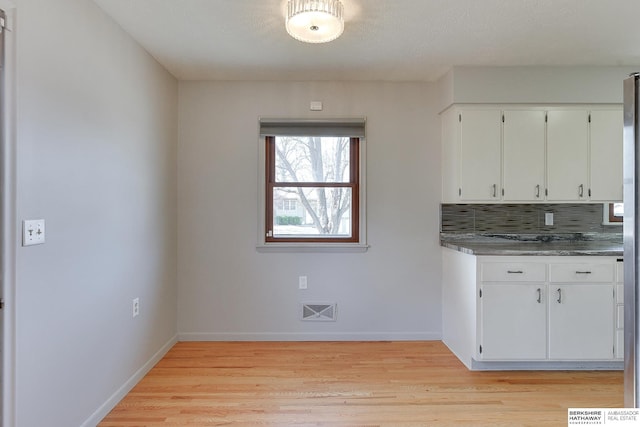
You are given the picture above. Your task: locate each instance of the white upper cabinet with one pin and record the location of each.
(480, 155)
(532, 154)
(567, 155)
(606, 155)
(523, 155)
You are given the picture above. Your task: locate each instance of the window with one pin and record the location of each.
(289, 205)
(313, 189)
(616, 212)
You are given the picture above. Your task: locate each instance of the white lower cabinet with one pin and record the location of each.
(619, 319)
(562, 309)
(524, 335)
(581, 322)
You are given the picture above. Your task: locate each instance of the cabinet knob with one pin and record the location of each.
(581, 190)
(495, 191)
(559, 296)
(538, 191)
(539, 296)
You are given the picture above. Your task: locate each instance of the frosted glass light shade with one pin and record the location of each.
(315, 21)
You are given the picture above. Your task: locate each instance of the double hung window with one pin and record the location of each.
(313, 181)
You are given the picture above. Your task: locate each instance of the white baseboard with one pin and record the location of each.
(586, 365)
(107, 406)
(307, 336)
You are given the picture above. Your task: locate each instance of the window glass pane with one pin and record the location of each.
(312, 211)
(312, 159)
(618, 209)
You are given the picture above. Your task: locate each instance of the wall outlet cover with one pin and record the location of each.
(548, 218)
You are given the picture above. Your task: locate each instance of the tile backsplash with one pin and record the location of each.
(524, 218)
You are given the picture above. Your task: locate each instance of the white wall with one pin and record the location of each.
(228, 290)
(544, 85)
(96, 158)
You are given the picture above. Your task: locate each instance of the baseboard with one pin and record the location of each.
(465, 360)
(107, 406)
(588, 365)
(307, 336)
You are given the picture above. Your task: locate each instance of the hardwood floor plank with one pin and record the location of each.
(350, 384)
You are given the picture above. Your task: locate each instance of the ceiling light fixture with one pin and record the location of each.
(315, 21)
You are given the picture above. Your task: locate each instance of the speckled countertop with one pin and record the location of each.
(575, 244)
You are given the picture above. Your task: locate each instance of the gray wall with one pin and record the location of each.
(228, 290)
(131, 214)
(96, 158)
(544, 85)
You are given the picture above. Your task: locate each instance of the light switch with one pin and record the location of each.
(32, 232)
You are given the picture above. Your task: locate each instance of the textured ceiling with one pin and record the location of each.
(400, 40)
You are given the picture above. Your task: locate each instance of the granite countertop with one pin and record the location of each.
(574, 244)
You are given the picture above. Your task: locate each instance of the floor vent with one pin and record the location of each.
(315, 312)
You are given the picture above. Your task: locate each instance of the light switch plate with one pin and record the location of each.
(32, 232)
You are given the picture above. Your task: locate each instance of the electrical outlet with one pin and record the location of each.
(32, 232)
(548, 218)
(302, 282)
(136, 307)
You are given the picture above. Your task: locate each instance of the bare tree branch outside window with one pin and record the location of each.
(316, 172)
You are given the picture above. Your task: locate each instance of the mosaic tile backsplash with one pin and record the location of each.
(524, 218)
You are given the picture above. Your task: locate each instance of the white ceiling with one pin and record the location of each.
(400, 40)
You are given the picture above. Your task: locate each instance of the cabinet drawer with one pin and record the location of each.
(581, 273)
(513, 272)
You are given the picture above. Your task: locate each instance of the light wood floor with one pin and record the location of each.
(350, 384)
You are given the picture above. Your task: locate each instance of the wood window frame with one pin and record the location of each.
(613, 218)
(353, 184)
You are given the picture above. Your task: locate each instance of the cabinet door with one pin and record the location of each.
(480, 155)
(523, 155)
(567, 155)
(606, 155)
(581, 321)
(513, 321)
(619, 310)
(450, 156)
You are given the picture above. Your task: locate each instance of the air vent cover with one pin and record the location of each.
(318, 312)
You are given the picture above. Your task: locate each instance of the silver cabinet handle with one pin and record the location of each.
(583, 272)
(539, 296)
(495, 190)
(581, 190)
(515, 271)
(559, 296)
(538, 191)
